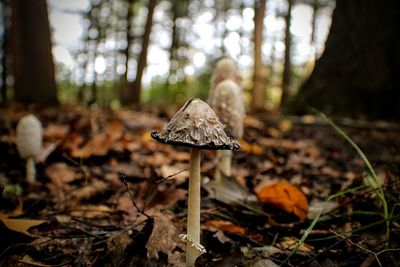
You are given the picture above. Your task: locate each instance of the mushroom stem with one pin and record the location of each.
(30, 170)
(224, 164)
(193, 220)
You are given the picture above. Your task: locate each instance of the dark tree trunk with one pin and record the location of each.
(359, 71)
(136, 86)
(125, 89)
(287, 70)
(4, 51)
(315, 7)
(258, 92)
(33, 59)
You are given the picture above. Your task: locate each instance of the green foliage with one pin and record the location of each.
(164, 93)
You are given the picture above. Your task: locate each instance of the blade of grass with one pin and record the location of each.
(380, 193)
(303, 237)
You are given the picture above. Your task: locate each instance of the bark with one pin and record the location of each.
(136, 86)
(315, 7)
(4, 53)
(33, 60)
(125, 90)
(287, 75)
(173, 57)
(258, 92)
(359, 71)
(129, 36)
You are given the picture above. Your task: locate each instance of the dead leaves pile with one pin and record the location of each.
(107, 194)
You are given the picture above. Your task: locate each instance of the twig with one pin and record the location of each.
(360, 247)
(122, 176)
(169, 176)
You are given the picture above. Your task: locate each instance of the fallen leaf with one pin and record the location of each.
(21, 225)
(55, 131)
(250, 148)
(285, 196)
(98, 145)
(88, 191)
(165, 239)
(177, 172)
(226, 226)
(60, 173)
(289, 243)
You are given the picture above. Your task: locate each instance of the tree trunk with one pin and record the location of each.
(136, 86)
(4, 53)
(125, 90)
(313, 43)
(359, 71)
(287, 70)
(33, 59)
(258, 93)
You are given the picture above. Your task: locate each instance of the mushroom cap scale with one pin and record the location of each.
(196, 125)
(29, 137)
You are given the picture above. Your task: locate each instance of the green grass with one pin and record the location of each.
(371, 179)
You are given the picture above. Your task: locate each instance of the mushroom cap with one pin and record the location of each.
(226, 68)
(29, 137)
(227, 103)
(196, 125)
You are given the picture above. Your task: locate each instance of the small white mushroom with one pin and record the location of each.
(196, 126)
(226, 68)
(226, 99)
(29, 143)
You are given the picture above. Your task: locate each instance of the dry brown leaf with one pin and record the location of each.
(87, 191)
(285, 196)
(166, 197)
(99, 145)
(177, 172)
(226, 226)
(60, 173)
(289, 243)
(21, 225)
(165, 238)
(114, 130)
(55, 131)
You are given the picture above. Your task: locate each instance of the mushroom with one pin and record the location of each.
(226, 68)
(196, 126)
(29, 143)
(227, 102)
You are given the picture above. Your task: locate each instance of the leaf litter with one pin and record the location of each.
(109, 195)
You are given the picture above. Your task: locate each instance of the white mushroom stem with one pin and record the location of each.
(193, 220)
(30, 170)
(224, 164)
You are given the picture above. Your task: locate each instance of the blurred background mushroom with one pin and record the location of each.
(226, 99)
(29, 143)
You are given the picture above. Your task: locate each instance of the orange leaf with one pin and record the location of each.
(285, 196)
(21, 225)
(226, 226)
(250, 148)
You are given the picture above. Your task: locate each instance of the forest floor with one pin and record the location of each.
(108, 195)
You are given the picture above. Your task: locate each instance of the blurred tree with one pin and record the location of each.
(286, 75)
(136, 85)
(32, 55)
(359, 71)
(5, 25)
(125, 90)
(178, 49)
(258, 92)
